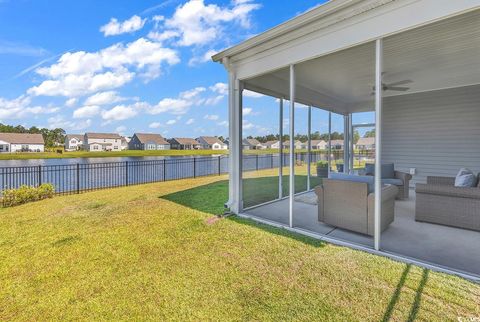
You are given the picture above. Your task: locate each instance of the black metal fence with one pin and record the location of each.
(76, 178)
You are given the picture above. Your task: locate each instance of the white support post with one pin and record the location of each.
(233, 133)
(239, 107)
(378, 141)
(292, 145)
(280, 161)
(329, 157)
(346, 144)
(351, 141)
(309, 147)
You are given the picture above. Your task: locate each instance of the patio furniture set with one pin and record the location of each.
(348, 200)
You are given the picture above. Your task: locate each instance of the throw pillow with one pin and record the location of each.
(465, 178)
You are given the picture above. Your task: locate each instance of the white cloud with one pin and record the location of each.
(195, 23)
(220, 88)
(114, 27)
(71, 102)
(86, 112)
(104, 98)
(223, 123)
(247, 111)
(119, 113)
(212, 101)
(121, 129)
(155, 125)
(207, 57)
(82, 73)
(162, 36)
(171, 122)
(60, 122)
(189, 121)
(211, 117)
(79, 85)
(21, 107)
(247, 125)
(179, 105)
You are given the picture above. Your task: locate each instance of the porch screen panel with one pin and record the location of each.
(319, 150)
(261, 157)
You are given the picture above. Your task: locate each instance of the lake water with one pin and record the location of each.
(65, 161)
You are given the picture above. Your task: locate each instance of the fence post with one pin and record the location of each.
(256, 161)
(164, 167)
(194, 167)
(126, 173)
(78, 178)
(39, 175)
(219, 160)
(271, 161)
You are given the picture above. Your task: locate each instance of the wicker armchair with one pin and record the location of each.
(440, 202)
(349, 205)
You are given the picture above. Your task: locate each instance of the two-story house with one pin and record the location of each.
(73, 142)
(102, 142)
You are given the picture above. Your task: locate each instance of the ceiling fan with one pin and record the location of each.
(395, 86)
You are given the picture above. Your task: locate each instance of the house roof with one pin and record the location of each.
(186, 141)
(317, 142)
(68, 137)
(210, 140)
(22, 138)
(366, 141)
(253, 142)
(102, 136)
(147, 138)
(287, 142)
(337, 142)
(269, 143)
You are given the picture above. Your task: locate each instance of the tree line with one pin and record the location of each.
(51, 137)
(303, 137)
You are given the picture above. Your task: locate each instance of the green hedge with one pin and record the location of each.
(25, 194)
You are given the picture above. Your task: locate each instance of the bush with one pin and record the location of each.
(322, 164)
(24, 194)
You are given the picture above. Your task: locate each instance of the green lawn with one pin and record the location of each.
(156, 252)
(262, 186)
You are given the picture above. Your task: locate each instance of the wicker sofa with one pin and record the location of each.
(440, 202)
(350, 205)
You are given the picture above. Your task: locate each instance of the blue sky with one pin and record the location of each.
(132, 66)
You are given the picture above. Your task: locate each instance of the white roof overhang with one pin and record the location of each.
(436, 44)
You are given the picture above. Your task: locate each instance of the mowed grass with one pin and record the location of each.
(157, 252)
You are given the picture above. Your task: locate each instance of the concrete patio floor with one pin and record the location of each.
(453, 248)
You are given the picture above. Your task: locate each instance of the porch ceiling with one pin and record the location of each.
(444, 54)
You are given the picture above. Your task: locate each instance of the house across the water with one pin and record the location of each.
(21, 142)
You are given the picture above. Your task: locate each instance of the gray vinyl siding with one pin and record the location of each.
(435, 132)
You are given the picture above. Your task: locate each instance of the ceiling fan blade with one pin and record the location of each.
(399, 89)
(403, 82)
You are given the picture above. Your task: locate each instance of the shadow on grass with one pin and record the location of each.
(263, 189)
(210, 198)
(398, 290)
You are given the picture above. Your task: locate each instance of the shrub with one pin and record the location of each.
(322, 164)
(24, 194)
